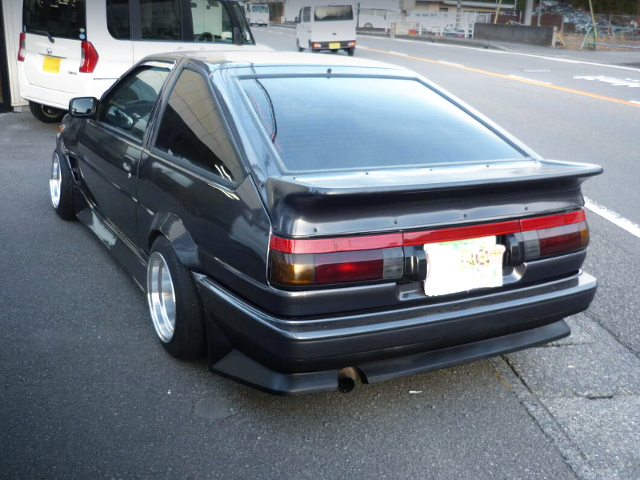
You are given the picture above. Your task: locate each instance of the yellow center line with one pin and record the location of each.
(494, 74)
(507, 77)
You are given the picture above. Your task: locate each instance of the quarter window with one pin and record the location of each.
(118, 19)
(191, 128)
(161, 19)
(128, 107)
(211, 22)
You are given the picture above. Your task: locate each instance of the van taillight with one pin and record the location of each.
(22, 47)
(326, 261)
(89, 58)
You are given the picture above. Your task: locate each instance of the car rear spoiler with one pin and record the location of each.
(306, 197)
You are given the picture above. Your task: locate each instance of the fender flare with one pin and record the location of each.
(170, 225)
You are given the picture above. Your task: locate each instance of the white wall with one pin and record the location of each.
(12, 10)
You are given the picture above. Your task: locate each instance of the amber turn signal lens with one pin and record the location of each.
(288, 269)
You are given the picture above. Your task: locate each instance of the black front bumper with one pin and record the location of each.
(304, 356)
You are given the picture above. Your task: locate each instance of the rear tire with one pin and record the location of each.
(351, 52)
(61, 188)
(174, 303)
(45, 113)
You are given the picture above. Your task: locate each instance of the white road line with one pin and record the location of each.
(450, 63)
(502, 52)
(613, 217)
(530, 80)
(634, 101)
(398, 53)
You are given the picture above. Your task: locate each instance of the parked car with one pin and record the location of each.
(308, 221)
(326, 27)
(258, 14)
(79, 48)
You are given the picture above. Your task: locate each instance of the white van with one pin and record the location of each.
(78, 48)
(258, 14)
(327, 27)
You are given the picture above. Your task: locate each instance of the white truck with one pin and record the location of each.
(258, 14)
(327, 27)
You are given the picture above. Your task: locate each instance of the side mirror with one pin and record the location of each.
(83, 107)
(297, 19)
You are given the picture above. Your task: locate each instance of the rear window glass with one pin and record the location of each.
(334, 123)
(58, 18)
(260, 9)
(333, 13)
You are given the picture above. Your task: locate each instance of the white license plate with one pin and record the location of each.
(463, 265)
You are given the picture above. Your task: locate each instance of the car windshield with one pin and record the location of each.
(335, 123)
(333, 13)
(58, 18)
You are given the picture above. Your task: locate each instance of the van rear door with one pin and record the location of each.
(54, 34)
(333, 23)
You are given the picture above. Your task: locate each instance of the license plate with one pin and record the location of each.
(333, 46)
(463, 265)
(51, 64)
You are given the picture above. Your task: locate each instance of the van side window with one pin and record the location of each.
(128, 107)
(191, 128)
(60, 19)
(306, 14)
(211, 22)
(161, 19)
(118, 19)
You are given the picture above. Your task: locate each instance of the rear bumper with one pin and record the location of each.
(327, 45)
(288, 356)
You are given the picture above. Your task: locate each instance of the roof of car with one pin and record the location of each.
(271, 58)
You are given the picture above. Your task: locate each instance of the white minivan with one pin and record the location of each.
(78, 48)
(327, 27)
(258, 14)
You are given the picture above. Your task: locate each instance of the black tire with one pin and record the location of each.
(61, 188)
(188, 340)
(45, 113)
(300, 49)
(351, 52)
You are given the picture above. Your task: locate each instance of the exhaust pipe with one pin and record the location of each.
(347, 379)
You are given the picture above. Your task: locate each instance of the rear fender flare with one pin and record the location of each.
(170, 225)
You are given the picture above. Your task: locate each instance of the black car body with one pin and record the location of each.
(298, 192)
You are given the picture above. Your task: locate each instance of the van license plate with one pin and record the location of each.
(51, 64)
(463, 265)
(333, 46)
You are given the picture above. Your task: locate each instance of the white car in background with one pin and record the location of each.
(80, 48)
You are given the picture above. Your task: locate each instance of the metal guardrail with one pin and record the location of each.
(614, 37)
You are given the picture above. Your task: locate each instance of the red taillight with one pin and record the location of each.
(339, 267)
(89, 58)
(352, 44)
(380, 257)
(22, 47)
(317, 45)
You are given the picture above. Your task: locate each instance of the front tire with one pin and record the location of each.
(61, 188)
(174, 304)
(45, 113)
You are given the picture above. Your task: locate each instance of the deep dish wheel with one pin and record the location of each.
(174, 303)
(61, 187)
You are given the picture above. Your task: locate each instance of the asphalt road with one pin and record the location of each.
(87, 392)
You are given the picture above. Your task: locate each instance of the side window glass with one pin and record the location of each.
(306, 14)
(161, 19)
(211, 22)
(118, 19)
(128, 107)
(191, 128)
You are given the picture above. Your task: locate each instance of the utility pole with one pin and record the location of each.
(458, 14)
(527, 12)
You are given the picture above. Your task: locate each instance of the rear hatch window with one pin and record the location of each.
(333, 13)
(57, 18)
(338, 123)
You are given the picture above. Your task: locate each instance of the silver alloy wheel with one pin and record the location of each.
(55, 182)
(161, 297)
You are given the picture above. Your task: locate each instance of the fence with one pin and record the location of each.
(445, 23)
